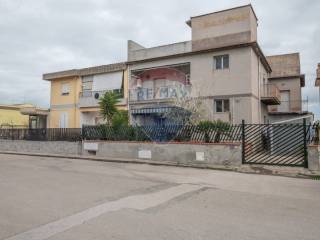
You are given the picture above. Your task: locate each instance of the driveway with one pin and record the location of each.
(60, 199)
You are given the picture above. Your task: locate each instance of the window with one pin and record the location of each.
(87, 82)
(222, 105)
(65, 89)
(221, 62)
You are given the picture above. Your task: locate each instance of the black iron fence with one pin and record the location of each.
(50, 134)
(274, 144)
(167, 133)
(278, 144)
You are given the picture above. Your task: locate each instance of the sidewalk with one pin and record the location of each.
(250, 169)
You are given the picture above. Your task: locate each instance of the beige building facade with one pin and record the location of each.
(222, 65)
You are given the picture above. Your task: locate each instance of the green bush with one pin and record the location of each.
(215, 128)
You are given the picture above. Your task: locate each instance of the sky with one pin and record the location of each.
(42, 36)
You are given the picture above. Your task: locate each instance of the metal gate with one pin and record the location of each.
(275, 144)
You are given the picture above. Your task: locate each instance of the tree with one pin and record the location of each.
(186, 110)
(108, 106)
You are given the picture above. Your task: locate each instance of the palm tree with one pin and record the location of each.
(108, 106)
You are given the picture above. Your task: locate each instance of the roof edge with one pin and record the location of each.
(301, 76)
(114, 67)
(254, 45)
(225, 10)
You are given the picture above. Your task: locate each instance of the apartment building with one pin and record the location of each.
(222, 64)
(75, 94)
(286, 75)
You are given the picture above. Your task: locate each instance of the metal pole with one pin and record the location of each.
(305, 146)
(243, 141)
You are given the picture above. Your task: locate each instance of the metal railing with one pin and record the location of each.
(270, 91)
(289, 106)
(164, 92)
(42, 134)
(98, 94)
(165, 133)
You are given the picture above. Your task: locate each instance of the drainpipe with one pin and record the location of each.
(232, 113)
(128, 92)
(259, 91)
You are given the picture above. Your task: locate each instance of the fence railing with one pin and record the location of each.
(49, 134)
(98, 94)
(167, 133)
(164, 92)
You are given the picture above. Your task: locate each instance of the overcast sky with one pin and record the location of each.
(40, 36)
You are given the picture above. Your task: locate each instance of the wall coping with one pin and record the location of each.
(314, 146)
(168, 143)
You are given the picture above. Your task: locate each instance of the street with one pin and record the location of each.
(60, 199)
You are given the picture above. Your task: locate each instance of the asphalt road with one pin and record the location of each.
(60, 199)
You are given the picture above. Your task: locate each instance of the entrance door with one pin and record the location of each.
(285, 102)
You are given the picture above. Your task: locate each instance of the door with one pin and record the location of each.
(285, 101)
(63, 120)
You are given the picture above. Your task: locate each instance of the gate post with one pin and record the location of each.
(305, 145)
(243, 141)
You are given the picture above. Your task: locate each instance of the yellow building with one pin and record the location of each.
(75, 94)
(22, 116)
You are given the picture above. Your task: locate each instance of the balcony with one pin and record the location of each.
(289, 107)
(270, 94)
(161, 93)
(91, 98)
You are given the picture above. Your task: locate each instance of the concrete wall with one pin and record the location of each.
(12, 116)
(314, 157)
(284, 65)
(136, 54)
(64, 148)
(213, 154)
(192, 154)
(293, 85)
(224, 28)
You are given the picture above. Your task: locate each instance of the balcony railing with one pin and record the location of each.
(270, 94)
(91, 98)
(98, 94)
(289, 107)
(165, 92)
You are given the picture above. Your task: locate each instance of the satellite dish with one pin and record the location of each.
(96, 95)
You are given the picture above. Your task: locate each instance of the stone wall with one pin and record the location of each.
(206, 155)
(185, 154)
(63, 148)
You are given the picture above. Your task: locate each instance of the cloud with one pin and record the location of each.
(50, 35)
